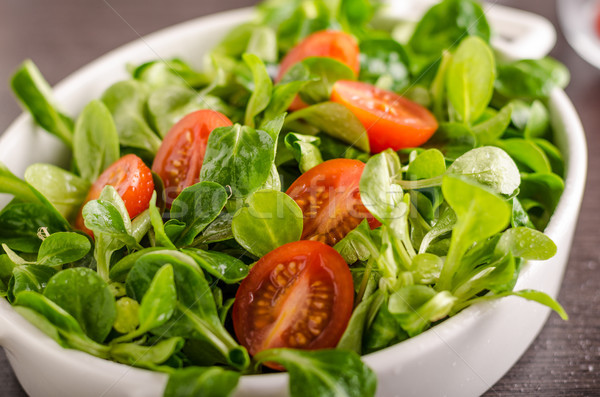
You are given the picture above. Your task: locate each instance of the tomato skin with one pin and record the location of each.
(299, 295)
(329, 197)
(325, 43)
(179, 158)
(391, 120)
(131, 178)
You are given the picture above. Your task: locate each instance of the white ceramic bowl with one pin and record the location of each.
(463, 356)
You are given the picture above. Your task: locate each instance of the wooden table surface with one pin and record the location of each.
(63, 35)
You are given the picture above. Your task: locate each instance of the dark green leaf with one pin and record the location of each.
(384, 62)
(531, 78)
(56, 323)
(146, 356)
(206, 382)
(446, 24)
(196, 315)
(60, 248)
(197, 206)
(35, 94)
(323, 372)
(239, 157)
(29, 278)
(158, 303)
(220, 265)
(85, 296)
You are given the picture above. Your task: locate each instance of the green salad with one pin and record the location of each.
(325, 187)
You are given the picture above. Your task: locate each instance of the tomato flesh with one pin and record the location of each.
(299, 295)
(391, 120)
(131, 178)
(179, 158)
(326, 43)
(329, 197)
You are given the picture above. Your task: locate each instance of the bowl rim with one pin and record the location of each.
(573, 147)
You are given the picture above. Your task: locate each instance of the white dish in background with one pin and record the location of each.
(463, 356)
(578, 22)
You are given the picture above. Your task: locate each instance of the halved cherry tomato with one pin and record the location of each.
(299, 295)
(131, 178)
(391, 120)
(326, 43)
(179, 158)
(328, 195)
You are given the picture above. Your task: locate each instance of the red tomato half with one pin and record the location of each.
(391, 120)
(131, 178)
(299, 295)
(179, 159)
(326, 43)
(329, 198)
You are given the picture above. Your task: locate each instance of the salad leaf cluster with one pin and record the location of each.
(458, 216)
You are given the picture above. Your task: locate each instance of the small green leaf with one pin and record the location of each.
(526, 243)
(325, 72)
(239, 157)
(29, 278)
(60, 248)
(527, 153)
(378, 191)
(324, 373)
(268, 220)
(336, 121)
(158, 303)
(197, 206)
(56, 323)
(83, 294)
(305, 149)
(146, 356)
(428, 164)
(35, 94)
(95, 143)
(490, 166)
(480, 214)
(531, 78)
(126, 101)
(446, 23)
(470, 78)
(220, 265)
(490, 130)
(162, 240)
(263, 87)
(206, 382)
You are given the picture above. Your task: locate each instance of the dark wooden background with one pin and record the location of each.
(63, 35)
